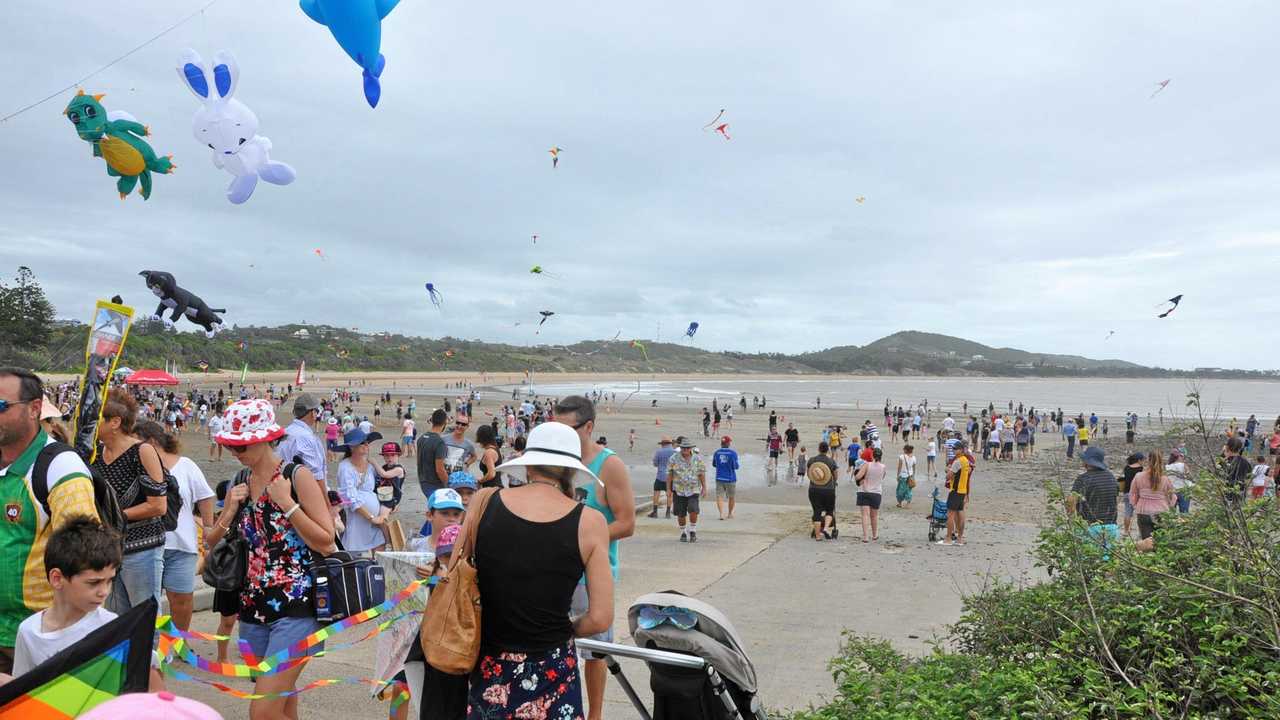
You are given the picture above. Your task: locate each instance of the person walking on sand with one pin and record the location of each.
(687, 480)
(822, 473)
(870, 481)
(906, 475)
(661, 457)
(725, 461)
(958, 474)
(1151, 495)
(1069, 433)
(793, 441)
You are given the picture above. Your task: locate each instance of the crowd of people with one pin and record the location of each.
(536, 474)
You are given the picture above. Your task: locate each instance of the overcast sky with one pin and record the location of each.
(1022, 187)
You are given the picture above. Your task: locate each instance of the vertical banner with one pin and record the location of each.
(244, 373)
(301, 379)
(107, 333)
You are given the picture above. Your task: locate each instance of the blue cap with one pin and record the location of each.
(445, 499)
(461, 479)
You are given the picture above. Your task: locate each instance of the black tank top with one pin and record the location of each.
(527, 573)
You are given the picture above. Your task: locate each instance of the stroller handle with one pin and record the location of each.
(661, 657)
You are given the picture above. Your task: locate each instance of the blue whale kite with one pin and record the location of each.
(357, 26)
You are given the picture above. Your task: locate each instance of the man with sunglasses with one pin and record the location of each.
(26, 527)
(460, 452)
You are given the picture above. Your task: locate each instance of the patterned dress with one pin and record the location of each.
(278, 584)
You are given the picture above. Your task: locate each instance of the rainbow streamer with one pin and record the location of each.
(291, 656)
(172, 644)
(398, 699)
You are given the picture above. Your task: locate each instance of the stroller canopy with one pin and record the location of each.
(714, 639)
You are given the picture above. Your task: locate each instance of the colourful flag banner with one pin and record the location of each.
(107, 334)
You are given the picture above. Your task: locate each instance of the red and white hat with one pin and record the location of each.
(248, 422)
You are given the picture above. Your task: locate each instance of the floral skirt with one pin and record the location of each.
(527, 686)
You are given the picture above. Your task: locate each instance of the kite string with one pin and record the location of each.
(80, 82)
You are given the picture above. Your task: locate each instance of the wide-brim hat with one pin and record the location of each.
(1094, 457)
(49, 409)
(248, 422)
(551, 443)
(686, 443)
(355, 436)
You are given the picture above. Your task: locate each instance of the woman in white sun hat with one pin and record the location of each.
(284, 520)
(533, 544)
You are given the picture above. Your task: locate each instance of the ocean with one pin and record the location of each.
(1106, 397)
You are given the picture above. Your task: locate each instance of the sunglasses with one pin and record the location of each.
(462, 424)
(237, 449)
(652, 616)
(6, 404)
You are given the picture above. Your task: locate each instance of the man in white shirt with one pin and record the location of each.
(949, 424)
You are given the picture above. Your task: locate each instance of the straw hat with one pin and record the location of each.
(551, 443)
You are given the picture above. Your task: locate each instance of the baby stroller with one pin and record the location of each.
(698, 667)
(937, 516)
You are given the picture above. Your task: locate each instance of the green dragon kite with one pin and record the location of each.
(117, 139)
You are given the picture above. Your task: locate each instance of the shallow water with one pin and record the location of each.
(1106, 397)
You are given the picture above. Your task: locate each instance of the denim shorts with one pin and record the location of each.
(267, 639)
(179, 572)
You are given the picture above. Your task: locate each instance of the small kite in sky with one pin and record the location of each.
(1160, 86)
(535, 239)
(343, 354)
(640, 346)
(1175, 300)
(860, 199)
(693, 328)
(434, 294)
(555, 156)
(715, 120)
(1108, 337)
(545, 315)
(450, 353)
(320, 254)
(722, 129)
(537, 270)
(242, 346)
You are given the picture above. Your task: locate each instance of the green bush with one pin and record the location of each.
(1191, 630)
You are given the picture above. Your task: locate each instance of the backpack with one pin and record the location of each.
(173, 501)
(104, 498)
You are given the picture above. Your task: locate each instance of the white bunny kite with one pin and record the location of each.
(228, 126)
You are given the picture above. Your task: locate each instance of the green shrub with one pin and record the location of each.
(1191, 630)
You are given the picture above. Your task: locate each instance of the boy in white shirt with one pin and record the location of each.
(932, 455)
(81, 560)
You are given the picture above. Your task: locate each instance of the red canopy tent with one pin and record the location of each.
(151, 377)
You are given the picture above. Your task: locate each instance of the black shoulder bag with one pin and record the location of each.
(227, 564)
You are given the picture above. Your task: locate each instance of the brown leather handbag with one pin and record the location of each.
(450, 634)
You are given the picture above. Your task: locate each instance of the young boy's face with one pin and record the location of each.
(466, 494)
(445, 517)
(85, 591)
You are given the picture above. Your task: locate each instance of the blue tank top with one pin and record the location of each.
(593, 501)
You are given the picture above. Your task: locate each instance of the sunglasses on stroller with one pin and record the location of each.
(651, 616)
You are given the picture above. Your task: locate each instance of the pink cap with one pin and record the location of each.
(152, 706)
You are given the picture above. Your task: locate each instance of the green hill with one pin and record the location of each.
(337, 349)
